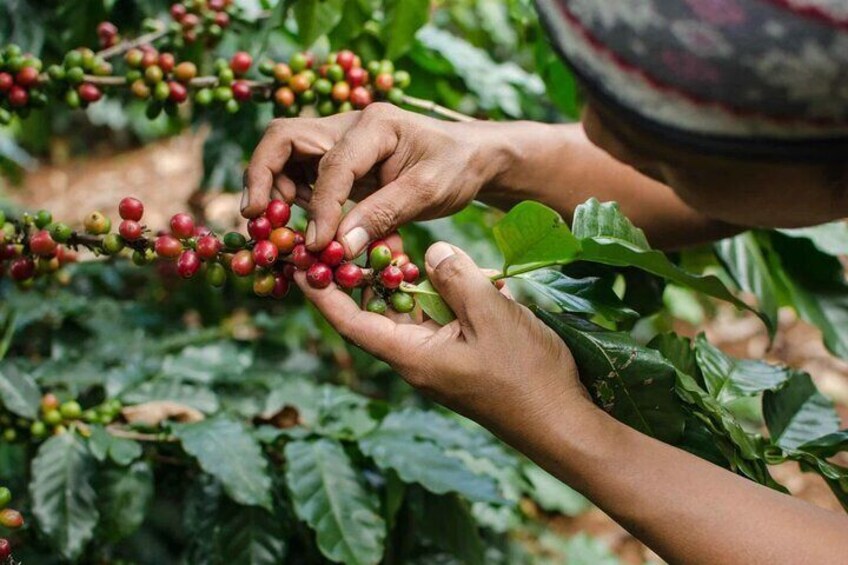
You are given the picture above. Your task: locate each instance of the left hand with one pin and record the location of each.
(496, 363)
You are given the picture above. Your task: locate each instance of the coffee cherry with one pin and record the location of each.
(140, 89)
(349, 275)
(410, 272)
(42, 244)
(402, 302)
(302, 257)
(5, 549)
(264, 253)
(395, 96)
(341, 91)
(182, 225)
(161, 92)
(300, 83)
(384, 82)
(240, 63)
(298, 62)
(130, 230)
(259, 228)
(357, 76)
(319, 275)
(11, 519)
(360, 97)
(284, 96)
(37, 429)
(113, 244)
(6, 81)
(49, 402)
(22, 268)
(18, 96)
(27, 77)
(97, 224)
(133, 58)
(188, 264)
(241, 91)
(335, 73)
(178, 12)
(377, 305)
(242, 263)
(234, 241)
(281, 287)
(391, 277)
(167, 62)
(345, 59)
(52, 417)
(177, 92)
(278, 213)
(5, 497)
(168, 247)
(189, 22)
(222, 20)
(149, 57)
(333, 254)
(204, 97)
(89, 92)
(283, 239)
(130, 208)
(216, 275)
(208, 247)
(263, 284)
(185, 71)
(380, 257)
(153, 74)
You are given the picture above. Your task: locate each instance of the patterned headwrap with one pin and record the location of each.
(747, 78)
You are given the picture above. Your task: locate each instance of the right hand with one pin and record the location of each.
(400, 166)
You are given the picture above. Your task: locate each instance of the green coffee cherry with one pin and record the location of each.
(38, 429)
(216, 275)
(402, 302)
(234, 241)
(52, 417)
(42, 218)
(113, 244)
(5, 497)
(60, 232)
(380, 257)
(377, 305)
(70, 410)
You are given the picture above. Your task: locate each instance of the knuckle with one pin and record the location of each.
(378, 110)
(382, 219)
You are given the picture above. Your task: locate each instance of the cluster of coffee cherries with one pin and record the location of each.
(10, 519)
(73, 77)
(20, 84)
(157, 77)
(32, 246)
(55, 417)
(201, 19)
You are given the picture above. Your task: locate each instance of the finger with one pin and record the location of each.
(361, 148)
(463, 286)
(269, 158)
(284, 188)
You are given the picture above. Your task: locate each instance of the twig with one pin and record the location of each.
(441, 111)
(126, 45)
(138, 436)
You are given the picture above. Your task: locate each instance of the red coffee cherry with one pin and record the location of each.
(131, 209)
(259, 228)
(360, 97)
(264, 253)
(298, 238)
(410, 272)
(177, 92)
(27, 77)
(391, 276)
(167, 62)
(182, 225)
(288, 271)
(130, 230)
(341, 91)
(278, 213)
(188, 264)
(357, 76)
(281, 287)
(242, 263)
(333, 254)
(302, 257)
(400, 259)
(18, 96)
(222, 19)
(241, 91)
(168, 247)
(319, 275)
(240, 62)
(345, 59)
(5, 549)
(190, 21)
(208, 247)
(283, 239)
(89, 92)
(384, 82)
(42, 244)
(178, 12)
(284, 96)
(22, 268)
(185, 71)
(6, 82)
(349, 275)
(11, 519)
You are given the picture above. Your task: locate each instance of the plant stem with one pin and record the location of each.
(126, 45)
(441, 111)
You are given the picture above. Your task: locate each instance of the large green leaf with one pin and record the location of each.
(679, 351)
(329, 496)
(431, 302)
(225, 449)
(630, 381)
(594, 219)
(251, 535)
(404, 444)
(829, 238)
(18, 392)
(532, 236)
(798, 413)
(63, 495)
(125, 495)
(590, 295)
(728, 379)
(316, 17)
(827, 445)
(446, 521)
(403, 19)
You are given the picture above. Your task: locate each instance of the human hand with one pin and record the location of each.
(400, 166)
(496, 363)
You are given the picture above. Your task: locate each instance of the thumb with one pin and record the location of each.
(461, 283)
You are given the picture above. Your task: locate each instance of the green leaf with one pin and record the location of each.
(403, 19)
(829, 238)
(123, 501)
(18, 392)
(532, 236)
(446, 520)
(633, 383)
(590, 295)
(431, 302)
(678, 350)
(798, 413)
(728, 379)
(594, 219)
(63, 495)
(329, 496)
(552, 494)
(403, 445)
(7, 330)
(316, 18)
(251, 535)
(225, 449)
(827, 445)
(122, 451)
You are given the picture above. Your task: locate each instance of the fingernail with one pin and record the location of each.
(311, 236)
(356, 240)
(437, 253)
(244, 199)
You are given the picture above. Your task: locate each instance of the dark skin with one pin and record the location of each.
(499, 365)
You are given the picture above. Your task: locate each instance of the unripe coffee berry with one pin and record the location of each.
(242, 263)
(391, 277)
(263, 284)
(319, 275)
(52, 417)
(349, 275)
(70, 410)
(188, 264)
(234, 241)
(11, 519)
(377, 305)
(167, 62)
(259, 228)
(182, 225)
(113, 244)
(5, 497)
(300, 83)
(185, 71)
(333, 254)
(380, 257)
(283, 239)
(341, 91)
(284, 96)
(130, 208)
(216, 274)
(410, 272)
(264, 253)
(240, 62)
(281, 287)
(97, 224)
(278, 213)
(402, 302)
(302, 257)
(207, 247)
(384, 82)
(49, 402)
(22, 268)
(168, 247)
(130, 230)
(42, 244)
(142, 258)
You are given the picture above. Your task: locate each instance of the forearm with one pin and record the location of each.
(686, 509)
(559, 166)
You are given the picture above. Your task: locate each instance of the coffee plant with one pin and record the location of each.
(146, 418)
